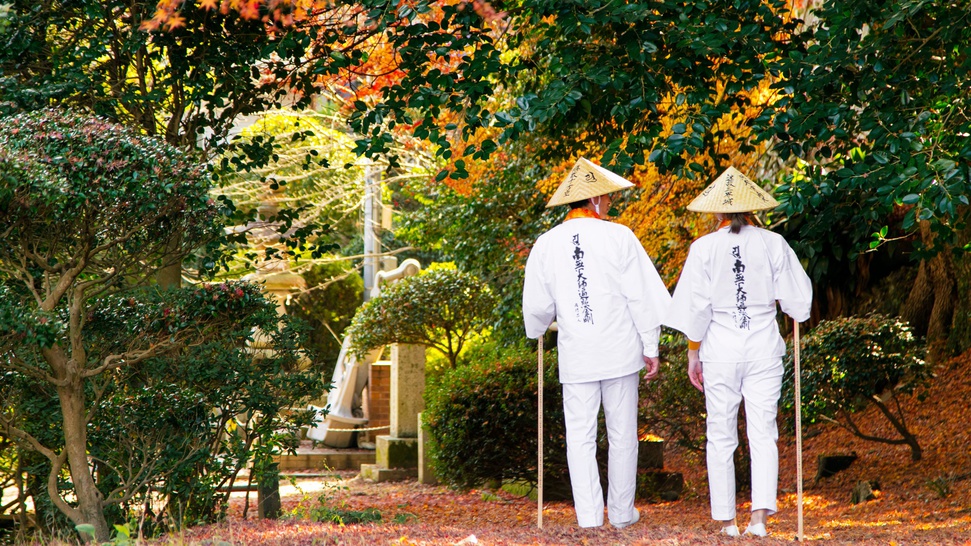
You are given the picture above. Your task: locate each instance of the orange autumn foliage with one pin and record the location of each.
(658, 215)
(362, 79)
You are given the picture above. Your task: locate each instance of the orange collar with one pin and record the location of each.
(581, 213)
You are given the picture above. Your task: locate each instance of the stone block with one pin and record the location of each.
(407, 389)
(828, 465)
(864, 491)
(650, 453)
(374, 473)
(393, 452)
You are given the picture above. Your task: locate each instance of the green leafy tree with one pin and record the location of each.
(189, 86)
(878, 116)
(486, 231)
(868, 123)
(851, 363)
(439, 308)
(90, 211)
(312, 172)
(168, 435)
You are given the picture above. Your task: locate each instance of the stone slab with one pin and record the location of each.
(374, 473)
(393, 452)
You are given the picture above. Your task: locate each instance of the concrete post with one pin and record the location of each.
(407, 389)
(426, 474)
(372, 193)
(396, 455)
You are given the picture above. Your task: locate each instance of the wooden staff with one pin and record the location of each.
(539, 455)
(798, 387)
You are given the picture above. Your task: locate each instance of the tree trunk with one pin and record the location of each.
(898, 423)
(836, 304)
(169, 275)
(917, 309)
(959, 339)
(90, 507)
(930, 306)
(945, 293)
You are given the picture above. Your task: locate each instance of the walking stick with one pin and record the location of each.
(539, 455)
(798, 387)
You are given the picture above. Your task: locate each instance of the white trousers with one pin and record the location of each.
(759, 383)
(581, 405)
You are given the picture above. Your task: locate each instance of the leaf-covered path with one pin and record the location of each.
(928, 502)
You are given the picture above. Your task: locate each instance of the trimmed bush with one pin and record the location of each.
(440, 308)
(850, 363)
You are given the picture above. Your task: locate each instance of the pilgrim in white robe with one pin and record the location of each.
(594, 278)
(726, 299)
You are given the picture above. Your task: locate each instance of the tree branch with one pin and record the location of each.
(55, 494)
(14, 432)
(857, 432)
(18, 365)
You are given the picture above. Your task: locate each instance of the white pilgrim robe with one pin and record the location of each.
(726, 296)
(608, 300)
(726, 299)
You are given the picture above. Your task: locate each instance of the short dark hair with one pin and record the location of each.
(579, 204)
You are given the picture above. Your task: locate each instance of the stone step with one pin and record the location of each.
(374, 473)
(325, 459)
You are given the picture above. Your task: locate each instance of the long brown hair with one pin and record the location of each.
(738, 219)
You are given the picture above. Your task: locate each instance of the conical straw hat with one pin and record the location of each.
(587, 180)
(732, 191)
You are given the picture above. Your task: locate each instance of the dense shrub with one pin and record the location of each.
(850, 363)
(482, 417)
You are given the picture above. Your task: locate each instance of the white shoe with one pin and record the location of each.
(730, 530)
(637, 517)
(757, 530)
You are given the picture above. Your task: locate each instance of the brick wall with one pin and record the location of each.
(379, 396)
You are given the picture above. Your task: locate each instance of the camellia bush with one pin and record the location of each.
(482, 417)
(439, 308)
(120, 399)
(851, 363)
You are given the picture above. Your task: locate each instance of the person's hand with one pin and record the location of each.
(652, 363)
(694, 370)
